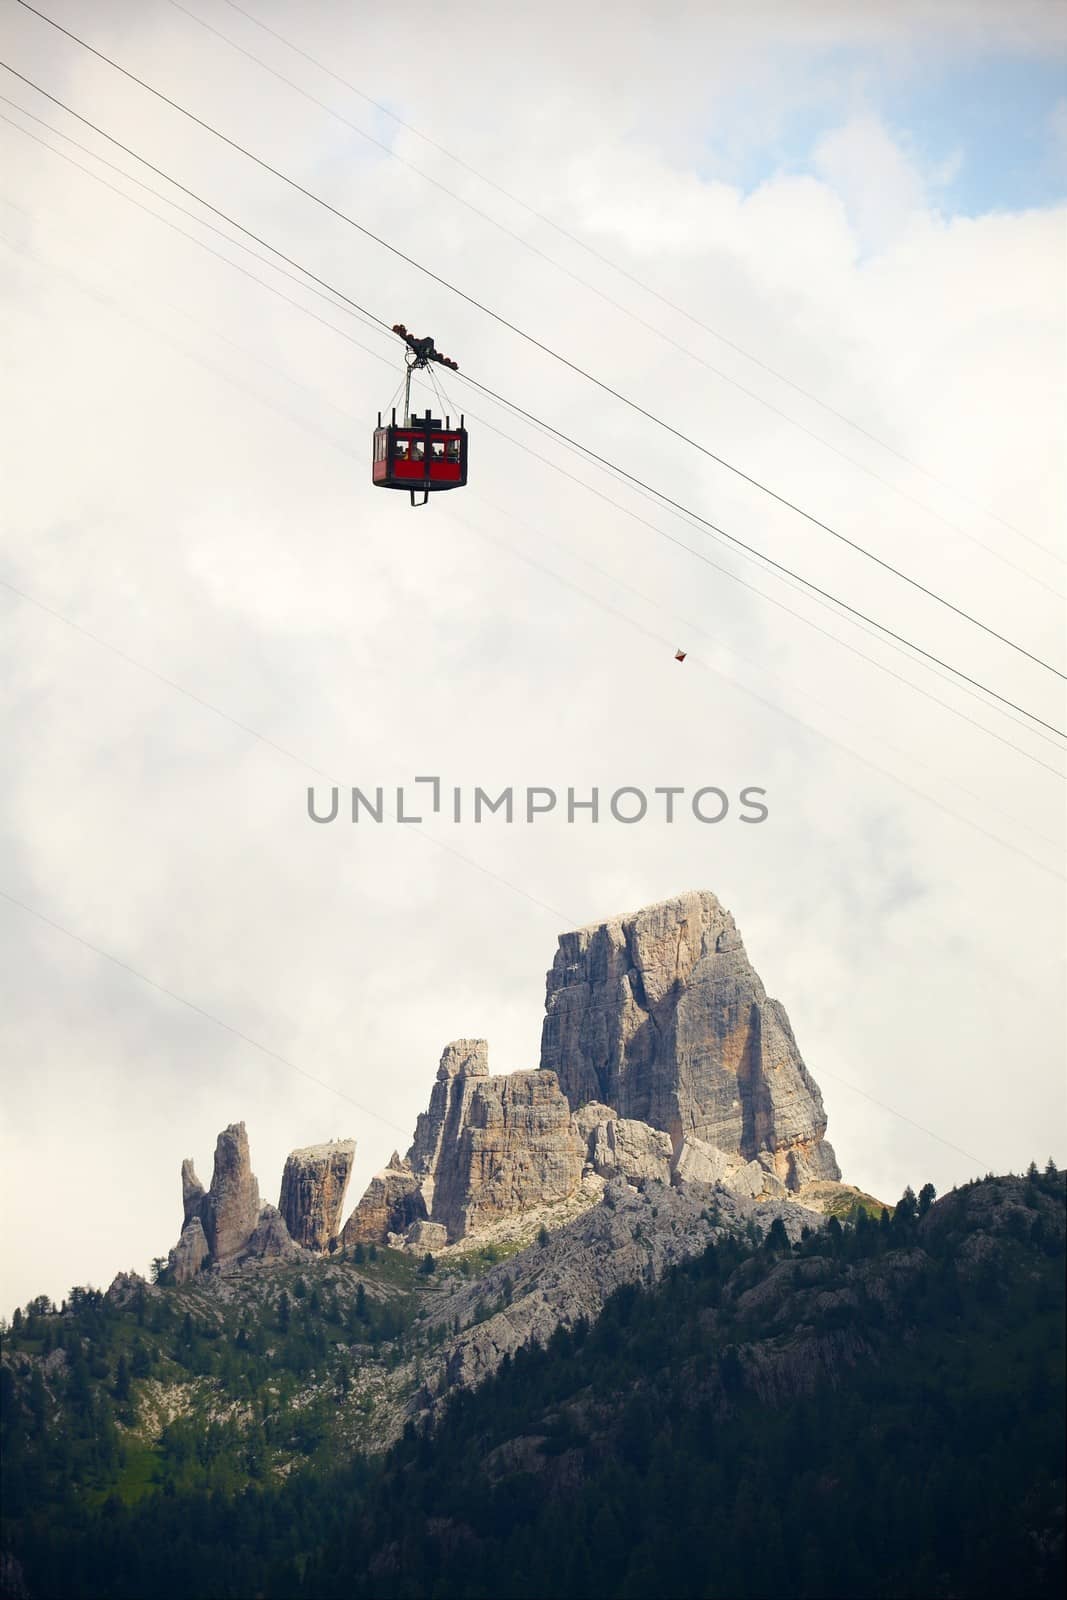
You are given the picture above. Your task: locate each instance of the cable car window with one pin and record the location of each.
(452, 450)
(438, 450)
(418, 450)
(402, 449)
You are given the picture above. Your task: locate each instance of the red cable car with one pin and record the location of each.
(418, 454)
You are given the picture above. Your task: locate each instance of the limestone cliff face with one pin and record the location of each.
(438, 1128)
(392, 1202)
(225, 1224)
(313, 1191)
(192, 1193)
(487, 1148)
(662, 1060)
(230, 1209)
(270, 1239)
(190, 1253)
(515, 1147)
(661, 1016)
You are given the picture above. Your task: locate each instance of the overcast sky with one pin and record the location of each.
(864, 207)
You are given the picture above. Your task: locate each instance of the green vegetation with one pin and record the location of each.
(473, 1263)
(874, 1412)
(181, 1389)
(847, 1207)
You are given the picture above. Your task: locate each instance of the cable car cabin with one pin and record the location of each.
(419, 455)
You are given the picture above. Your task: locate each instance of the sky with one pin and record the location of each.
(824, 242)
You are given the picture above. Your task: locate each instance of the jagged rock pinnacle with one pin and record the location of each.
(313, 1191)
(661, 1016)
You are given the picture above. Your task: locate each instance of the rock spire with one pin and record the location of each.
(661, 1016)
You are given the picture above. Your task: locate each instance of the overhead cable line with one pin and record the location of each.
(781, 605)
(691, 656)
(735, 683)
(264, 739)
(516, 443)
(769, 704)
(554, 466)
(621, 471)
(762, 556)
(266, 1050)
(286, 1061)
(684, 349)
(201, 1011)
(299, 278)
(530, 338)
(639, 283)
(509, 438)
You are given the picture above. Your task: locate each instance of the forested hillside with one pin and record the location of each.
(874, 1410)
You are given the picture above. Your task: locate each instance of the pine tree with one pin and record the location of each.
(122, 1380)
(907, 1209)
(777, 1239)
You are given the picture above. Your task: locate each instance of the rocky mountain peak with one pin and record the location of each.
(313, 1191)
(486, 1148)
(662, 1060)
(661, 1016)
(192, 1192)
(222, 1225)
(464, 1058)
(230, 1210)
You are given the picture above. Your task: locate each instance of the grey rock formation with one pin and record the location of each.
(461, 1061)
(219, 1223)
(313, 1191)
(191, 1254)
(230, 1209)
(192, 1192)
(622, 1148)
(661, 1016)
(632, 1238)
(696, 1161)
(270, 1238)
(747, 1179)
(509, 1145)
(427, 1236)
(392, 1202)
(125, 1288)
(486, 1148)
(590, 1115)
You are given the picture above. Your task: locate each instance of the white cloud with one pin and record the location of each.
(883, 191)
(184, 501)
